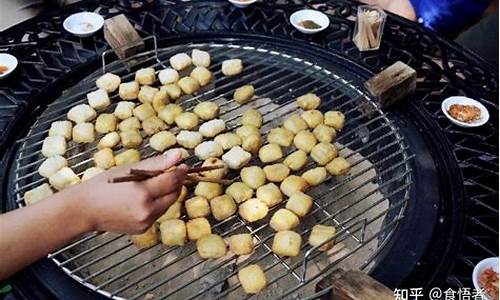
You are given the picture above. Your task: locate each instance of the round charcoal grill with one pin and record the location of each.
(366, 206)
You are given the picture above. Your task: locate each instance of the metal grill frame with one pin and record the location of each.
(318, 207)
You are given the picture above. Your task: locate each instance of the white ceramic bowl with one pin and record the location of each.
(83, 24)
(9, 61)
(491, 262)
(309, 14)
(445, 106)
(242, 4)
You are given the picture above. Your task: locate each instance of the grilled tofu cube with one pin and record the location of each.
(335, 119)
(252, 143)
(84, 133)
(189, 139)
(312, 117)
(106, 123)
(276, 172)
(239, 191)
(91, 172)
(244, 94)
(131, 123)
(173, 90)
(280, 136)
(40, 192)
(206, 110)
(51, 165)
(180, 61)
(212, 128)
(208, 190)
(160, 100)
(295, 124)
(305, 141)
(296, 160)
(197, 228)
(81, 113)
(222, 207)
(270, 194)
(246, 131)
(218, 173)
(231, 67)
(127, 157)
(299, 203)
(252, 279)
(98, 99)
(153, 125)
(124, 110)
(211, 246)
(168, 76)
(169, 113)
(187, 120)
(188, 85)
(283, 219)
(253, 210)
(63, 178)
(200, 58)
(252, 117)
(270, 153)
(320, 234)
(131, 138)
(109, 82)
(323, 153)
(147, 94)
(62, 128)
(128, 90)
(53, 145)
(144, 111)
(202, 75)
(162, 140)
(145, 240)
(287, 243)
(173, 212)
(236, 158)
(197, 207)
(173, 232)
(324, 134)
(308, 101)
(241, 244)
(292, 184)
(228, 140)
(338, 166)
(104, 159)
(145, 76)
(315, 176)
(253, 176)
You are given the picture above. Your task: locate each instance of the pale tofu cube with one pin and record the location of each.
(208, 190)
(252, 117)
(232, 67)
(84, 133)
(211, 246)
(222, 207)
(241, 244)
(228, 140)
(168, 75)
(299, 203)
(145, 76)
(81, 113)
(189, 139)
(147, 94)
(184, 153)
(180, 61)
(51, 165)
(252, 279)
(91, 172)
(202, 75)
(270, 153)
(129, 90)
(127, 157)
(283, 219)
(187, 120)
(270, 193)
(200, 58)
(53, 145)
(98, 99)
(162, 140)
(276, 172)
(308, 101)
(124, 110)
(173, 232)
(338, 166)
(144, 111)
(62, 128)
(109, 82)
(315, 176)
(253, 210)
(246, 131)
(323, 153)
(197, 228)
(145, 240)
(197, 207)
(105, 123)
(244, 94)
(63, 178)
(131, 138)
(335, 119)
(212, 128)
(208, 149)
(321, 234)
(253, 176)
(40, 192)
(131, 123)
(206, 110)
(236, 158)
(287, 243)
(169, 113)
(104, 159)
(292, 184)
(153, 125)
(239, 191)
(173, 90)
(188, 85)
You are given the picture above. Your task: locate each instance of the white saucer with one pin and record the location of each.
(485, 115)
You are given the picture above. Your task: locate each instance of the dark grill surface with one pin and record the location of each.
(469, 157)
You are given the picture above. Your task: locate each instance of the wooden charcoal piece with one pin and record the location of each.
(393, 84)
(122, 36)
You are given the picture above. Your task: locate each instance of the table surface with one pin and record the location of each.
(47, 55)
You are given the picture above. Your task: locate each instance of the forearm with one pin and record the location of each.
(28, 234)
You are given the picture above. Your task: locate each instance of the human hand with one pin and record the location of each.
(129, 207)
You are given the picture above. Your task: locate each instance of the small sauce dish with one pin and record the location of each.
(487, 263)
(461, 100)
(8, 63)
(242, 3)
(83, 24)
(298, 17)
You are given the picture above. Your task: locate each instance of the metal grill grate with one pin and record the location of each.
(366, 205)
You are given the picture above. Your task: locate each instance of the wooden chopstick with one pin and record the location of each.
(140, 175)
